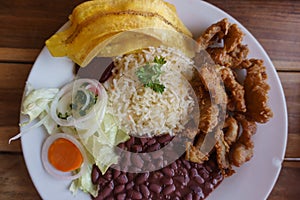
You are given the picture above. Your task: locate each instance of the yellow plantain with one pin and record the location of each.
(94, 22)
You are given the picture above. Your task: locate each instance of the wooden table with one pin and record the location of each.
(24, 26)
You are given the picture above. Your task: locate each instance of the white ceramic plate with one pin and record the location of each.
(254, 180)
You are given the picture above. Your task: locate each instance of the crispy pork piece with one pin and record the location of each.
(208, 114)
(256, 92)
(215, 32)
(242, 150)
(234, 90)
(222, 152)
(231, 130)
(232, 59)
(194, 154)
(212, 82)
(233, 38)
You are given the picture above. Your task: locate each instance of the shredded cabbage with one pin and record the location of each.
(36, 102)
(99, 145)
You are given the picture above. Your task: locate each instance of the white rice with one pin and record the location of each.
(143, 111)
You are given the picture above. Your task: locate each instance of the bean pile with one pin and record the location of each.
(179, 180)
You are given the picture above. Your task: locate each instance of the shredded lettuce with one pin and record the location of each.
(85, 183)
(49, 123)
(100, 147)
(36, 102)
(102, 144)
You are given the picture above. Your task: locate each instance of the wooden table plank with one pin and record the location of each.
(18, 55)
(287, 185)
(13, 174)
(27, 24)
(291, 86)
(275, 24)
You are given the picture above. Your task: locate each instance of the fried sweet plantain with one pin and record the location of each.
(94, 22)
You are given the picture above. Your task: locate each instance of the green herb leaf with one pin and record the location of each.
(149, 74)
(160, 60)
(63, 116)
(156, 87)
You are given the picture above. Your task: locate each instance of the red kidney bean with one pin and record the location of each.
(141, 178)
(193, 172)
(107, 175)
(107, 73)
(157, 154)
(168, 171)
(150, 166)
(121, 196)
(179, 179)
(174, 166)
(188, 197)
(166, 180)
(159, 163)
(179, 194)
(204, 175)
(164, 138)
(145, 191)
(195, 188)
(119, 189)
(116, 173)
(171, 154)
(136, 148)
(130, 142)
(95, 175)
(107, 190)
(208, 186)
(186, 164)
(143, 141)
(155, 188)
(186, 179)
(131, 176)
(137, 160)
(183, 171)
(147, 157)
(122, 145)
(151, 141)
(169, 189)
(122, 179)
(198, 196)
(101, 180)
(198, 179)
(153, 147)
(136, 195)
(129, 185)
(208, 168)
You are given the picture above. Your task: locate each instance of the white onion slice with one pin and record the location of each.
(96, 112)
(41, 122)
(54, 172)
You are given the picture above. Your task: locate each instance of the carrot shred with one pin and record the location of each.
(64, 155)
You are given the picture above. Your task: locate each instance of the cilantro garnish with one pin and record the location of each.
(63, 116)
(149, 74)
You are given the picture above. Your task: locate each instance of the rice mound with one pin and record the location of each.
(142, 111)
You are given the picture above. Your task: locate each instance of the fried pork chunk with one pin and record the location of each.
(256, 92)
(246, 100)
(215, 32)
(235, 91)
(242, 150)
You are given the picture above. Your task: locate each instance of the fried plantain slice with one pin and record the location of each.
(94, 22)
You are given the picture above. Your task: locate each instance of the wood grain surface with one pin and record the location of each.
(26, 24)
